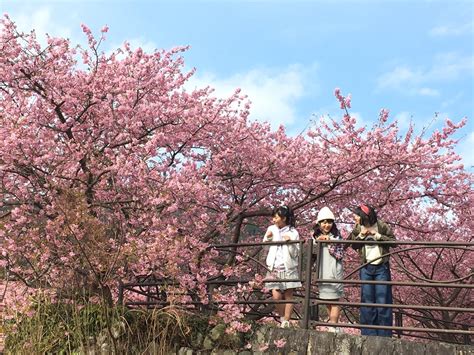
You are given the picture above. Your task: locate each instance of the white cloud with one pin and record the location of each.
(428, 92)
(404, 119)
(452, 30)
(273, 93)
(361, 121)
(326, 116)
(397, 77)
(420, 81)
(420, 123)
(146, 45)
(451, 101)
(42, 21)
(465, 149)
(407, 80)
(450, 66)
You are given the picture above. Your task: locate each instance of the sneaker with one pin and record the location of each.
(285, 324)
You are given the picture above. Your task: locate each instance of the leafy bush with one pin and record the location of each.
(62, 328)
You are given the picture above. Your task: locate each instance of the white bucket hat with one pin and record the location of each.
(325, 213)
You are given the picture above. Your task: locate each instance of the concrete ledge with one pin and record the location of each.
(299, 342)
(311, 342)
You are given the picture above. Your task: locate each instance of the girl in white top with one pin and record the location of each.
(282, 261)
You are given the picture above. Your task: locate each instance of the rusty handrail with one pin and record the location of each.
(308, 302)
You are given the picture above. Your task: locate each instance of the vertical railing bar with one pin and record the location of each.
(311, 306)
(399, 322)
(307, 289)
(467, 338)
(300, 264)
(316, 271)
(120, 296)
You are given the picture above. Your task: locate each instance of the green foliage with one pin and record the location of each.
(59, 328)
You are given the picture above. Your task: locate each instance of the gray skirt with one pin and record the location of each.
(282, 275)
(330, 268)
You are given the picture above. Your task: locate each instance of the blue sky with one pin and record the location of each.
(415, 58)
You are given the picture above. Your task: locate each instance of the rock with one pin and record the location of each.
(185, 351)
(464, 350)
(433, 348)
(223, 352)
(208, 344)
(321, 343)
(102, 338)
(261, 335)
(409, 347)
(217, 332)
(106, 348)
(377, 345)
(345, 346)
(234, 341)
(197, 340)
(85, 350)
(118, 329)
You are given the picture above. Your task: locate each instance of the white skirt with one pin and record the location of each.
(282, 275)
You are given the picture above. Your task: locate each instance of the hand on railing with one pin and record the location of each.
(322, 237)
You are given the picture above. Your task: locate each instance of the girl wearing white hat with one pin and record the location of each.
(330, 262)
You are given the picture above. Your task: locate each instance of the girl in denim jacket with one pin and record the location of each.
(376, 268)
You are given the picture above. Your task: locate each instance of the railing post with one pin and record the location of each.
(307, 290)
(148, 298)
(314, 312)
(399, 322)
(120, 295)
(301, 248)
(467, 337)
(316, 272)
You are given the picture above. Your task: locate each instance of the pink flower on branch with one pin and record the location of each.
(280, 343)
(345, 102)
(119, 170)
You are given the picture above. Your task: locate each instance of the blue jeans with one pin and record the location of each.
(376, 294)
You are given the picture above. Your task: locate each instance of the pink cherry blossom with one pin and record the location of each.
(111, 169)
(280, 343)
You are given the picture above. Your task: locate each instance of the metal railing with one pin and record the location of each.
(259, 304)
(458, 283)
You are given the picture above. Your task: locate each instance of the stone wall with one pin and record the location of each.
(310, 342)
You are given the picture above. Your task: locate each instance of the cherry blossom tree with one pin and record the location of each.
(111, 167)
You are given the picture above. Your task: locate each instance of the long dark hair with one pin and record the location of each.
(334, 231)
(287, 213)
(367, 214)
